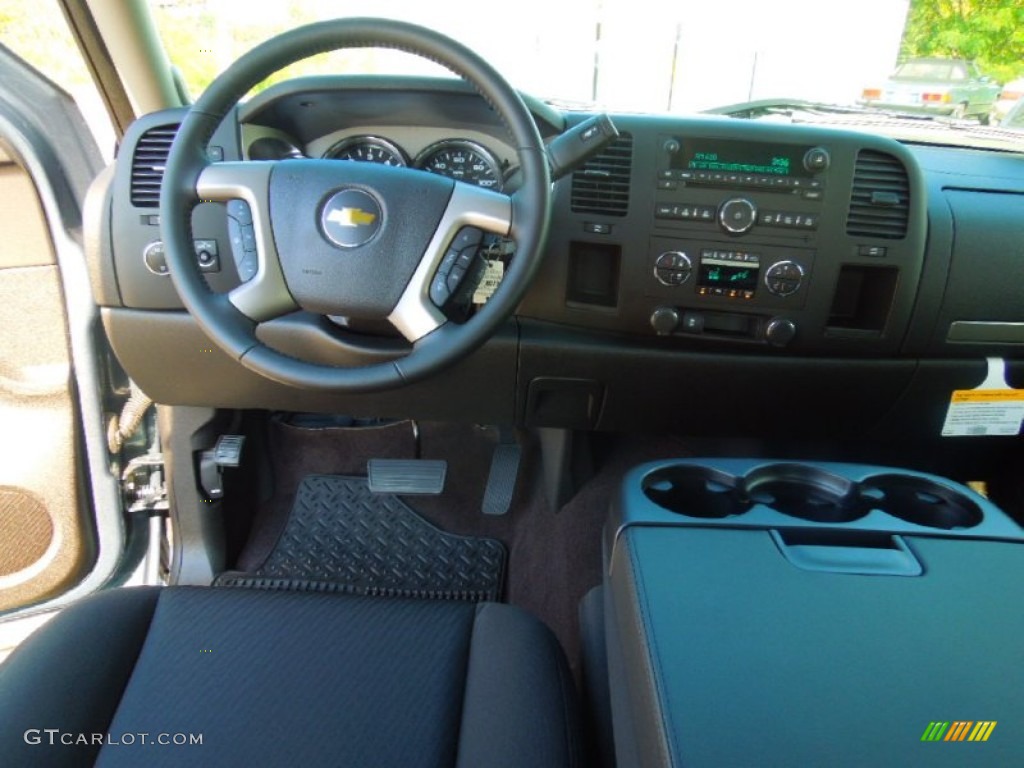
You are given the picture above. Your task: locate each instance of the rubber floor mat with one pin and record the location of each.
(340, 537)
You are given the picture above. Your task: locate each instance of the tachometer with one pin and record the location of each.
(463, 161)
(367, 149)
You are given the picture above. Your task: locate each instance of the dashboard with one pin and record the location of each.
(702, 273)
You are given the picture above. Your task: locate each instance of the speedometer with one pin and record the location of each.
(367, 149)
(463, 161)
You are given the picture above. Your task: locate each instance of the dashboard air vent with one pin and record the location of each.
(880, 203)
(148, 165)
(602, 184)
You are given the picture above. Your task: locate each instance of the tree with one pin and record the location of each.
(990, 32)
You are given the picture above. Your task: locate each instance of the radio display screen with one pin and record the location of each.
(728, 273)
(740, 158)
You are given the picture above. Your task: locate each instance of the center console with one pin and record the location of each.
(742, 235)
(777, 613)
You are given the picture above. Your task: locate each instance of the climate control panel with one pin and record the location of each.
(704, 273)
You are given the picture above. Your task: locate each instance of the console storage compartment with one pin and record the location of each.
(777, 613)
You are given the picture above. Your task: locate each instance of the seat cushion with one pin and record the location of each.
(285, 678)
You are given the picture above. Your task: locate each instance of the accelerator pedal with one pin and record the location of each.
(408, 477)
(501, 483)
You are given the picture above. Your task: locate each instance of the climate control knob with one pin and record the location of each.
(664, 320)
(779, 331)
(784, 278)
(737, 215)
(673, 268)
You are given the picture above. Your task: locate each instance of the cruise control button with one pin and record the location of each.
(239, 211)
(247, 267)
(467, 236)
(450, 257)
(248, 238)
(439, 290)
(466, 258)
(455, 278)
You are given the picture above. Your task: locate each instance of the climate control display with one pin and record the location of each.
(732, 274)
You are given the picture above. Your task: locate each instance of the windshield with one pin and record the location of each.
(647, 56)
(928, 70)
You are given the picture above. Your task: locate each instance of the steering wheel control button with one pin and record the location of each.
(153, 256)
(246, 267)
(467, 237)
(784, 278)
(239, 211)
(351, 218)
(207, 256)
(737, 215)
(242, 239)
(460, 260)
(673, 268)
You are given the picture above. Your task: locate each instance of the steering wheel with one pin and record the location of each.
(347, 238)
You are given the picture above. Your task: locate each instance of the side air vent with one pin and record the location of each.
(602, 184)
(880, 203)
(148, 165)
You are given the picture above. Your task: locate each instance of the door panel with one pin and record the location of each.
(46, 543)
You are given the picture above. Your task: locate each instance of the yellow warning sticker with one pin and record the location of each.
(988, 396)
(993, 408)
(984, 413)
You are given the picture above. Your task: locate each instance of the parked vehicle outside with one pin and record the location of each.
(953, 87)
(1009, 97)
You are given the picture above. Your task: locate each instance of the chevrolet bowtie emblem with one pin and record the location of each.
(351, 217)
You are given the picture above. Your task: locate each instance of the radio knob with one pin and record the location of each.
(817, 159)
(779, 331)
(737, 215)
(664, 320)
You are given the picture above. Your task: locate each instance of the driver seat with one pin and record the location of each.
(271, 678)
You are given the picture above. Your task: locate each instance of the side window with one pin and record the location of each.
(959, 72)
(35, 30)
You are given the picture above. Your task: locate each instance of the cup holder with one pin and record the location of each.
(695, 491)
(922, 502)
(815, 494)
(805, 492)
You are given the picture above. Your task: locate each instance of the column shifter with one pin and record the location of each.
(581, 142)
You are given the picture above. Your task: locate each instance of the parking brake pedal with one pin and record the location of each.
(501, 483)
(423, 477)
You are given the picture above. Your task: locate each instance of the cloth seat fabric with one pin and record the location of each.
(268, 678)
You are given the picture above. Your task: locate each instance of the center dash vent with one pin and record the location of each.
(148, 165)
(602, 184)
(880, 203)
